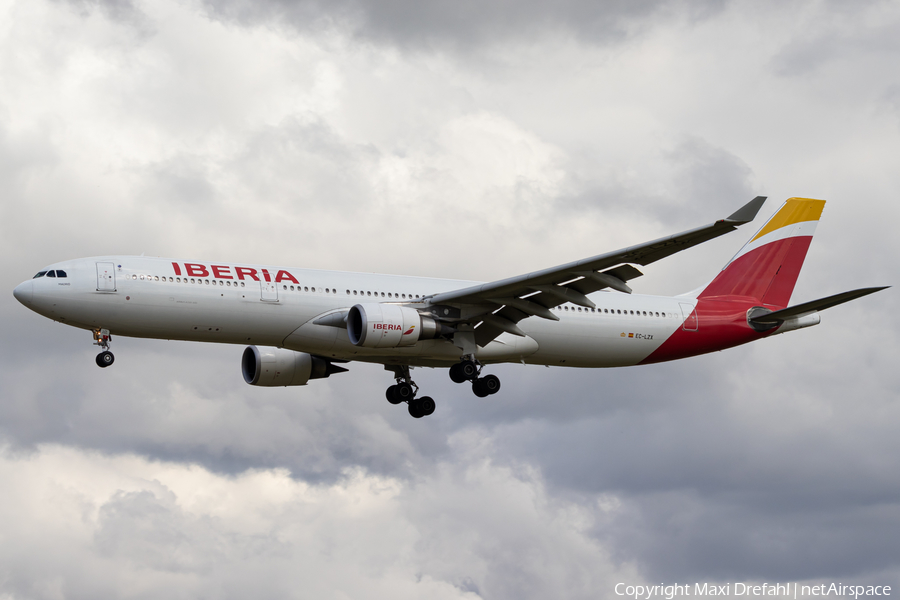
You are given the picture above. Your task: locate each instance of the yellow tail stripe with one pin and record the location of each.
(795, 210)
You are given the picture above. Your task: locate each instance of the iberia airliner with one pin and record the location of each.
(301, 324)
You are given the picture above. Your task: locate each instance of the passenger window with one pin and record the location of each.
(368, 293)
(40, 274)
(284, 287)
(51, 273)
(312, 289)
(326, 291)
(354, 292)
(389, 295)
(382, 294)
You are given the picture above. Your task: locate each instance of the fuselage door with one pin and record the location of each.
(106, 277)
(268, 291)
(690, 317)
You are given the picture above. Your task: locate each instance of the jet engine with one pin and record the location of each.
(273, 367)
(390, 326)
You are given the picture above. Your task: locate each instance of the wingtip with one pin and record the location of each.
(747, 212)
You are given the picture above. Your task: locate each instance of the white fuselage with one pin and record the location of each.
(276, 306)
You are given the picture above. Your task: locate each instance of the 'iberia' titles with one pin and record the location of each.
(228, 272)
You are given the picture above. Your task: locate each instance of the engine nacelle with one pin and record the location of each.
(389, 326)
(273, 367)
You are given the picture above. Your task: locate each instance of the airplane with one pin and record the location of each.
(303, 324)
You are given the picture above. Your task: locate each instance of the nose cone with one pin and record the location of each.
(24, 292)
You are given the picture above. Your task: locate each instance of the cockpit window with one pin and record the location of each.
(51, 273)
(61, 273)
(41, 274)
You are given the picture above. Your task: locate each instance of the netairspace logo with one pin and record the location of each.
(648, 592)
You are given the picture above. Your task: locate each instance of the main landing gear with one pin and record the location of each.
(470, 370)
(405, 390)
(102, 338)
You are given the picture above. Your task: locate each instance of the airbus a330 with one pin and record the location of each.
(303, 324)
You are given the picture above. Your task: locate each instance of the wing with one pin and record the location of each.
(496, 307)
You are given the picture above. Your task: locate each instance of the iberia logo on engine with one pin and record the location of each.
(386, 326)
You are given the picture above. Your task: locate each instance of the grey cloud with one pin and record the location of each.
(774, 460)
(460, 24)
(121, 11)
(840, 37)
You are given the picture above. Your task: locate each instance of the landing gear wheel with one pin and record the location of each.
(391, 395)
(466, 370)
(421, 407)
(456, 373)
(105, 358)
(485, 386)
(403, 391)
(469, 368)
(491, 383)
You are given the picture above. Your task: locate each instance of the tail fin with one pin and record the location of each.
(766, 268)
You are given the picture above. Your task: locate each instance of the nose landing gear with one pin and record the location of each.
(468, 369)
(102, 338)
(405, 390)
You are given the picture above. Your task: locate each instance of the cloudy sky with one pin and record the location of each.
(468, 140)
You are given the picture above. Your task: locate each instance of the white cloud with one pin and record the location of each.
(80, 524)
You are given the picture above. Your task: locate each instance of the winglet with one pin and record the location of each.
(748, 212)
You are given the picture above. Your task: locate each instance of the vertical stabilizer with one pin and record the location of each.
(767, 267)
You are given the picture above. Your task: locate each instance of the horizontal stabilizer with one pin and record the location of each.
(773, 318)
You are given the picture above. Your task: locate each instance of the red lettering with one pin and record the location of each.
(266, 275)
(282, 275)
(177, 268)
(241, 271)
(221, 272)
(196, 270)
